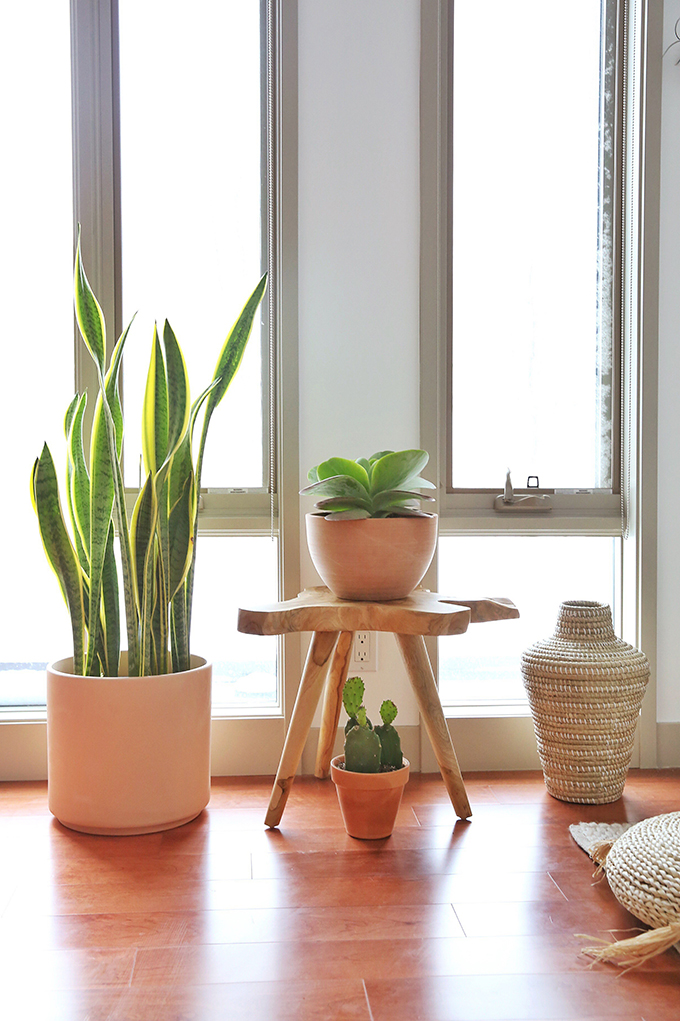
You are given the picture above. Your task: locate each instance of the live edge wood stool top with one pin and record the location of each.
(333, 622)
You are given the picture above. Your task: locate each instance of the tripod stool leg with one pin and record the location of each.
(309, 692)
(332, 703)
(422, 680)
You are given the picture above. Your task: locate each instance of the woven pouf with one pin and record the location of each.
(585, 688)
(643, 870)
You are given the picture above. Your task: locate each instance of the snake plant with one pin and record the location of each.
(157, 548)
(379, 486)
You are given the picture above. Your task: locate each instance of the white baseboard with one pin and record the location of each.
(668, 745)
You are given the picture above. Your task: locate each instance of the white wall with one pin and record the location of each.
(359, 246)
(668, 613)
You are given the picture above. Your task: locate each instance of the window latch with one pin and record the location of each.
(509, 503)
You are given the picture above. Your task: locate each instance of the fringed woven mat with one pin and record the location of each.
(589, 835)
(643, 871)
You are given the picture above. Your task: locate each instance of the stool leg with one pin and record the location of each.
(332, 703)
(422, 680)
(306, 702)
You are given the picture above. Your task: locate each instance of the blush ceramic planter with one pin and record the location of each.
(369, 802)
(128, 755)
(373, 558)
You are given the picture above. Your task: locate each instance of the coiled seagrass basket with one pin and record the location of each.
(585, 687)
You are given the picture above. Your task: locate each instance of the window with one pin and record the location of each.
(531, 331)
(174, 134)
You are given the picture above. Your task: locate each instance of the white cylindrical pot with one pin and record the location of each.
(128, 755)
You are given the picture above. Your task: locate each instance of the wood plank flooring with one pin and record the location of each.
(223, 919)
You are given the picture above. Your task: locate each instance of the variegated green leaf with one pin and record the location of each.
(59, 549)
(155, 410)
(142, 530)
(111, 383)
(180, 538)
(110, 610)
(89, 315)
(78, 479)
(179, 631)
(178, 390)
(234, 347)
(101, 509)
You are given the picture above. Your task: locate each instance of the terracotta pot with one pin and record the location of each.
(128, 755)
(374, 558)
(369, 802)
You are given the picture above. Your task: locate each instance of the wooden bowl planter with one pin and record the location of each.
(369, 802)
(128, 755)
(372, 558)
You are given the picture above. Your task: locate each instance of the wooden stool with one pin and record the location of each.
(334, 622)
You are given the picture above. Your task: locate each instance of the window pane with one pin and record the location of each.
(37, 275)
(191, 188)
(235, 571)
(531, 275)
(537, 573)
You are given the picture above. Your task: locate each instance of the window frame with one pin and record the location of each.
(244, 741)
(224, 512)
(632, 511)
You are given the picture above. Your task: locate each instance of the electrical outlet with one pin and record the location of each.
(364, 651)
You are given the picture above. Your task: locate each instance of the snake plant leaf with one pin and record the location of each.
(155, 410)
(78, 479)
(178, 631)
(102, 493)
(343, 466)
(110, 617)
(142, 528)
(393, 470)
(178, 390)
(234, 346)
(339, 485)
(180, 538)
(111, 383)
(89, 314)
(59, 548)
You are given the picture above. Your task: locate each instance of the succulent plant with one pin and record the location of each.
(383, 485)
(368, 749)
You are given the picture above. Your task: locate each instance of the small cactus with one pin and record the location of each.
(390, 744)
(353, 695)
(362, 747)
(368, 749)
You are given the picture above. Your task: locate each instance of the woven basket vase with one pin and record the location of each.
(585, 688)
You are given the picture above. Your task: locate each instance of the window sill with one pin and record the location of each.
(486, 710)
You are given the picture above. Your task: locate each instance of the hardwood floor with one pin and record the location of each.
(223, 919)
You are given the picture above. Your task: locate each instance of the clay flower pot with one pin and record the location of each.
(373, 558)
(128, 755)
(369, 802)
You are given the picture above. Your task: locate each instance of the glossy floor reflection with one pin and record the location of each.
(223, 919)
